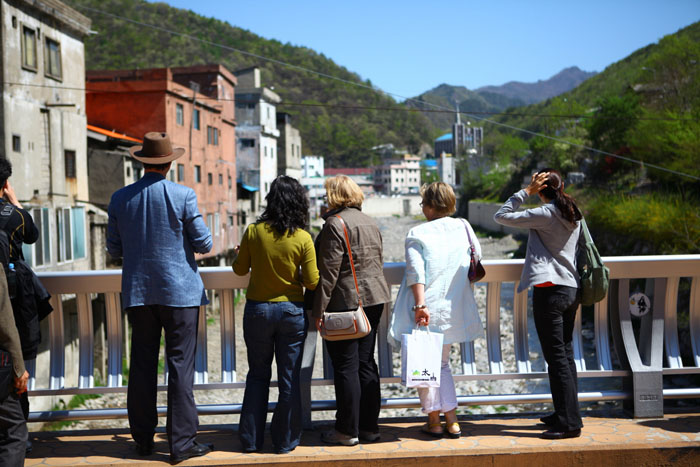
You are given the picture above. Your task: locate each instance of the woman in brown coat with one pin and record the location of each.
(355, 371)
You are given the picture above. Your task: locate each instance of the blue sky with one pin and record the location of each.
(409, 47)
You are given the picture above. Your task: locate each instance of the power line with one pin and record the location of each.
(358, 107)
(354, 83)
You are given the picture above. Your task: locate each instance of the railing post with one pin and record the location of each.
(307, 370)
(386, 365)
(646, 382)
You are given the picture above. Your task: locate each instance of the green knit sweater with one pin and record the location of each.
(273, 261)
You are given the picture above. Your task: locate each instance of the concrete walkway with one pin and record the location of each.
(513, 441)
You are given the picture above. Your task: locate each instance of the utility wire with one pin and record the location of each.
(358, 84)
(286, 103)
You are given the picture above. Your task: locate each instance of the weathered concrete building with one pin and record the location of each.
(256, 140)
(289, 147)
(396, 177)
(44, 127)
(195, 106)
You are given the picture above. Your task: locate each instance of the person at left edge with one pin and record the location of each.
(155, 225)
(13, 427)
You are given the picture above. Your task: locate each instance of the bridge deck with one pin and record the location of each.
(607, 439)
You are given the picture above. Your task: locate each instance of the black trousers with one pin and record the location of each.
(13, 432)
(356, 379)
(180, 325)
(555, 311)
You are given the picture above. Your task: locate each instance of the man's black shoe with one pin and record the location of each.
(145, 449)
(558, 434)
(549, 420)
(197, 449)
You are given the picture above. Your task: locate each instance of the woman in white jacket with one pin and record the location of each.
(436, 292)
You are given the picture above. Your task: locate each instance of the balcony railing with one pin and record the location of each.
(637, 350)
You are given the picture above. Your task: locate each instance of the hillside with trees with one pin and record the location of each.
(332, 115)
(645, 107)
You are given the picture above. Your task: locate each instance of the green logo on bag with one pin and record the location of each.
(416, 373)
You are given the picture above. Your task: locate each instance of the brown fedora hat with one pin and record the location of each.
(156, 149)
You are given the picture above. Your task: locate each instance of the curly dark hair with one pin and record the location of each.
(287, 206)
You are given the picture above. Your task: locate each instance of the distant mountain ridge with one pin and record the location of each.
(495, 98)
(531, 93)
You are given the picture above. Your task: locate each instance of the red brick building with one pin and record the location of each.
(195, 106)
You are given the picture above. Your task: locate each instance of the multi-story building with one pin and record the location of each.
(463, 140)
(43, 122)
(289, 147)
(312, 178)
(195, 106)
(256, 140)
(396, 177)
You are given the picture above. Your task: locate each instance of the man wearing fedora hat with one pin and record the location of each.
(155, 225)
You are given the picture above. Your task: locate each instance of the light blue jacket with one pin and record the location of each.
(437, 255)
(154, 224)
(551, 245)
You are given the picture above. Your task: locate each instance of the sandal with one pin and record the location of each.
(427, 429)
(451, 434)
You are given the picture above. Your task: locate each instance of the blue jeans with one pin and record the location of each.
(272, 329)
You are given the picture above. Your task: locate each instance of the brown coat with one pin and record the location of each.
(336, 287)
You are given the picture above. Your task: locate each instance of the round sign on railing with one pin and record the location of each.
(640, 304)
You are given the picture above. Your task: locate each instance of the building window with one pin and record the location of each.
(195, 119)
(217, 228)
(212, 136)
(180, 172)
(53, 59)
(210, 178)
(230, 221)
(229, 181)
(16, 143)
(197, 174)
(39, 254)
(221, 179)
(69, 160)
(29, 59)
(171, 175)
(247, 142)
(179, 114)
(265, 151)
(70, 230)
(210, 223)
(137, 173)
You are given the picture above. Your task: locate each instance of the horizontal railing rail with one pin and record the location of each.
(612, 334)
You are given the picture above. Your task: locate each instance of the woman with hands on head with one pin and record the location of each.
(436, 292)
(550, 267)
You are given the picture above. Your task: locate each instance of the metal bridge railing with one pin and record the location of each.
(646, 348)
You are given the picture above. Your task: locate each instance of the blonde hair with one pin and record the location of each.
(342, 192)
(440, 197)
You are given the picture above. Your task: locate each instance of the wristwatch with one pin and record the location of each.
(419, 307)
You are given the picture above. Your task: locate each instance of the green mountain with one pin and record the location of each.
(322, 108)
(645, 107)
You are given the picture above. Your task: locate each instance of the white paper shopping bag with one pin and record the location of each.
(421, 358)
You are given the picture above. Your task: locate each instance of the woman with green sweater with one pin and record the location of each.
(281, 259)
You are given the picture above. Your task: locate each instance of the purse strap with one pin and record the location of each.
(471, 244)
(352, 263)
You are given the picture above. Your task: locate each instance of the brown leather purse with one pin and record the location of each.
(476, 270)
(345, 325)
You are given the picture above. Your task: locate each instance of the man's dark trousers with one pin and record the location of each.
(13, 432)
(180, 325)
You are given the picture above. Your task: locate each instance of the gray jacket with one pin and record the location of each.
(551, 245)
(336, 287)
